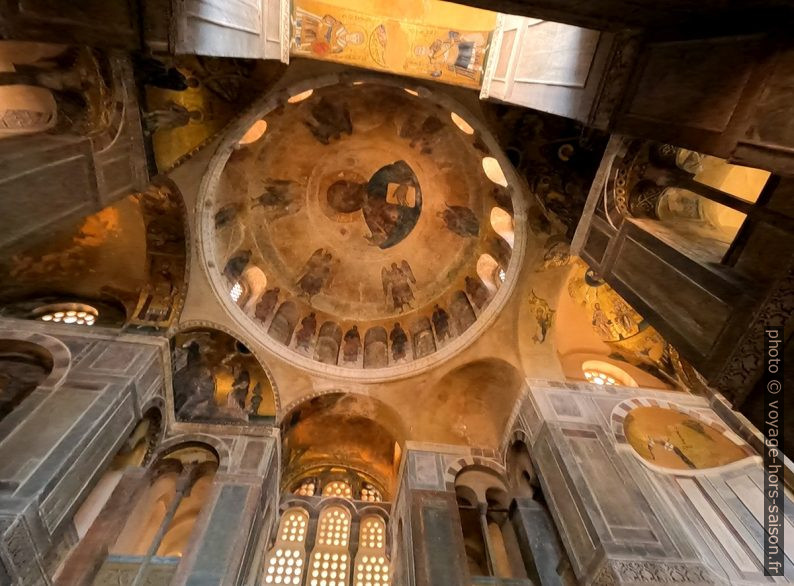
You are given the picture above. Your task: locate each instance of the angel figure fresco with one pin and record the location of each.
(601, 322)
(459, 54)
(460, 220)
(279, 198)
(320, 36)
(543, 316)
(397, 281)
(316, 273)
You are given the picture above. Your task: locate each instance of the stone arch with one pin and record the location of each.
(59, 355)
(336, 429)
(470, 404)
(204, 440)
(283, 324)
(471, 462)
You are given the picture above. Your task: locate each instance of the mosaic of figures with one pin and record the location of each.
(672, 439)
(292, 322)
(378, 41)
(216, 378)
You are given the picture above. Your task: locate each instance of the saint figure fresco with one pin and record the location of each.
(461, 221)
(397, 281)
(543, 316)
(319, 36)
(459, 54)
(316, 273)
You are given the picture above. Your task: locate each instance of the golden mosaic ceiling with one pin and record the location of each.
(360, 224)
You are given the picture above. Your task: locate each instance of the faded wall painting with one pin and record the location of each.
(435, 40)
(364, 251)
(216, 378)
(672, 439)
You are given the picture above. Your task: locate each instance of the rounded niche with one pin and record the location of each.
(351, 236)
(674, 440)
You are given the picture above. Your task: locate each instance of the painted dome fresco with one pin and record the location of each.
(360, 225)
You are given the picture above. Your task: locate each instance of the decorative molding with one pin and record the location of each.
(745, 363)
(494, 49)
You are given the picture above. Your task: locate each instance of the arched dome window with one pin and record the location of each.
(236, 291)
(493, 170)
(464, 126)
(370, 494)
(502, 223)
(254, 133)
(307, 488)
(603, 373)
(300, 97)
(488, 270)
(338, 488)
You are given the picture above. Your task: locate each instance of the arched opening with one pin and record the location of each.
(154, 534)
(372, 565)
(134, 453)
(462, 125)
(489, 538)
(502, 223)
(287, 558)
(300, 96)
(254, 133)
(489, 272)
(531, 540)
(603, 373)
(253, 283)
(164, 515)
(521, 472)
(493, 170)
(23, 367)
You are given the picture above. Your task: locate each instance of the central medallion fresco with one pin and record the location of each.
(350, 223)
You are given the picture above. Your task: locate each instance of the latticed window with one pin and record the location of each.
(236, 292)
(330, 561)
(370, 494)
(372, 565)
(286, 559)
(307, 488)
(338, 488)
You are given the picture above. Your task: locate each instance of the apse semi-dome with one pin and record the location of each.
(360, 228)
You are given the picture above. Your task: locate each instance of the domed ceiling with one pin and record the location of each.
(360, 225)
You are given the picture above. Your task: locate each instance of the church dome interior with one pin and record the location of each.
(367, 226)
(417, 293)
